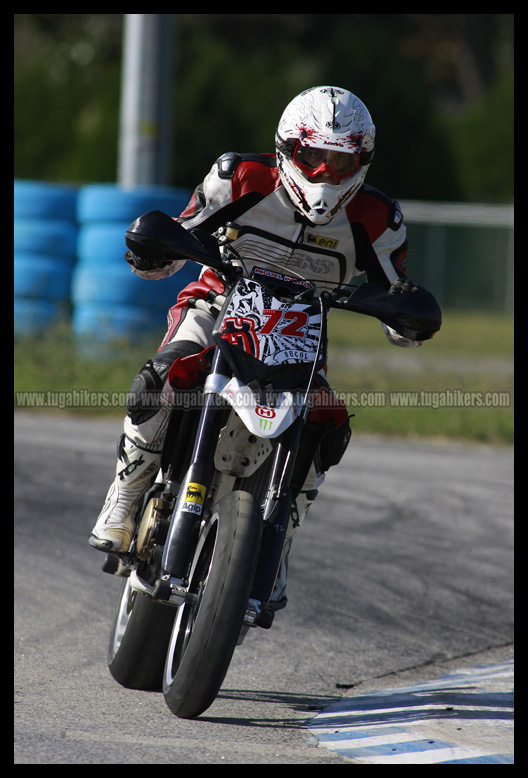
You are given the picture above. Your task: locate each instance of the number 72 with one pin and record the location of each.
(292, 323)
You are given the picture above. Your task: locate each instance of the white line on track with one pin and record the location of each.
(462, 718)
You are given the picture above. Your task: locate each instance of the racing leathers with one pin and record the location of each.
(368, 235)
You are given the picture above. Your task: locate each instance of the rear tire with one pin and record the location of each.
(205, 633)
(139, 640)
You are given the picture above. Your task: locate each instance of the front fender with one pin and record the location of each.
(264, 421)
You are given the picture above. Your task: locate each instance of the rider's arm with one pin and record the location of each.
(210, 196)
(235, 183)
(380, 237)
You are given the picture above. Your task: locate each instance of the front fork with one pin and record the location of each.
(195, 486)
(277, 512)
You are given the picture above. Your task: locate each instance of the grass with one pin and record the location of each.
(55, 370)
(446, 384)
(457, 385)
(473, 333)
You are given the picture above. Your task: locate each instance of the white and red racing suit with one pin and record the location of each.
(368, 235)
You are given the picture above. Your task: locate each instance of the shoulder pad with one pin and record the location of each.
(228, 162)
(380, 207)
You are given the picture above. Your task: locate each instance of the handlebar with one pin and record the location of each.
(158, 236)
(414, 314)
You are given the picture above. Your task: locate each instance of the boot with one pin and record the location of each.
(299, 509)
(136, 467)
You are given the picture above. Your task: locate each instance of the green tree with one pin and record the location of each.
(484, 145)
(66, 96)
(439, 88)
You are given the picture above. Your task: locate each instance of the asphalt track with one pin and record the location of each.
(401, 576)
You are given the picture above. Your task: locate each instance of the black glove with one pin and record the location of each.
(416, 316)
(141, 263)
(404, 285)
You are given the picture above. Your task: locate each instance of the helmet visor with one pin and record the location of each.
(317, 164)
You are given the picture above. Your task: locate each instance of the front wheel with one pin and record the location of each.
(206, 632)
(139, 640)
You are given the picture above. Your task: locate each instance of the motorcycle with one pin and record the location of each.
(211, 531)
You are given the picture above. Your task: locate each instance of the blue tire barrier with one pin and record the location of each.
(43, 278)
(109, 301)
(69, 245)
(102, 245)
(45, 244)
(99, 323)
(108, 202)
(33, 317)
(48, 237)
(41, 200)
(116, 284)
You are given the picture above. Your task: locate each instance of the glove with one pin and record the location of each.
(140, 263)
(418, 316)
(404, 285)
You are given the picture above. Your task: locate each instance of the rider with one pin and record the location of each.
(305, 207)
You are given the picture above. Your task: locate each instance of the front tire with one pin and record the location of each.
(206, 632)
(139, 640)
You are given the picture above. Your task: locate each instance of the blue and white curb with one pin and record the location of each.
(463, 718)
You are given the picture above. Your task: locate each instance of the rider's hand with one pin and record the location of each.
(404, 285)
(144, 264)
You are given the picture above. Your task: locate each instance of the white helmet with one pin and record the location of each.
(324, 144)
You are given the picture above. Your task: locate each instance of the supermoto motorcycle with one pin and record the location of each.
(211, 530)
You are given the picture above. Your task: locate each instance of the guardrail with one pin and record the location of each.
(463, 253)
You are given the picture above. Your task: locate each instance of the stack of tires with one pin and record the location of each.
(111, 304)
(45, 239)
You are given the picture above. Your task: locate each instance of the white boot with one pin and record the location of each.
(138, 462)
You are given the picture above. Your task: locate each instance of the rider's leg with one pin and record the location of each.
(300, 507)
(138, 461)
(330, 450)
(140, 447)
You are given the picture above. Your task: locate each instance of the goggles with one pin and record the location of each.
(314, 161)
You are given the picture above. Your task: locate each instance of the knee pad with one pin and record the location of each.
(143, 400)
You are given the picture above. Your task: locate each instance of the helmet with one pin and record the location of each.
(324, 144)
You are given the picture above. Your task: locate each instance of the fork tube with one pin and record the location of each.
(195, 486)
(277, 513)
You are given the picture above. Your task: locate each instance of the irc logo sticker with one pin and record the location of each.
(194, 498)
